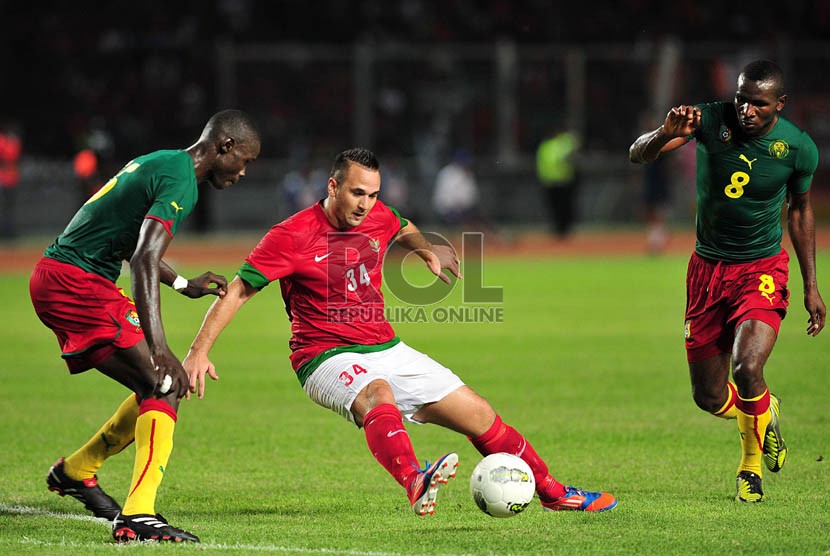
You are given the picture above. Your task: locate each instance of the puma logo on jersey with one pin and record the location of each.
(749, 162)
(176, 206)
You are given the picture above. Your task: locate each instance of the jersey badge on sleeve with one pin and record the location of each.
(725, 134)
(779, 148)
(176, 206)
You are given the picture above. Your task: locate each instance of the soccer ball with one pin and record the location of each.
(502, 485)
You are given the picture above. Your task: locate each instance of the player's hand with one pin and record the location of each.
(441, 257)
(206, 284)
(817, 311)
(169, 375)
(681, 121)
(197, 366)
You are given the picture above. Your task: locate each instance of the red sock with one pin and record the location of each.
(504, 438)
(389, 442)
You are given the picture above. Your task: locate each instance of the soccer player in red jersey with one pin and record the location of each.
(133, 218)
(328, 259)
(750, 159)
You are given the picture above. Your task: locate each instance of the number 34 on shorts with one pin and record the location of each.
(347, 376)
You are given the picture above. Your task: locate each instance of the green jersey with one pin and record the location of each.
(104, 232)
(743, 181)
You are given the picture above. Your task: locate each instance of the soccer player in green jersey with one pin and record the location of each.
(133, 218)
(750, 159)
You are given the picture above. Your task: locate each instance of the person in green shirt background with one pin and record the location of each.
(558, 173)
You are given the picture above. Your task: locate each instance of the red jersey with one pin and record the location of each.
(330, 279)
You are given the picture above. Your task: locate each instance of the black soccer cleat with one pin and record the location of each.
(87, 491)
(749, 487)
(146, 527)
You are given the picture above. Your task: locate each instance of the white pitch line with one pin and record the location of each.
(27, 510)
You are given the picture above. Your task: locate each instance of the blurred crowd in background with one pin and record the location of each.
(490, 79)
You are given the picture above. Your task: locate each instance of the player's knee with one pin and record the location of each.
(748, 374)
(378, 392)
(707, 401)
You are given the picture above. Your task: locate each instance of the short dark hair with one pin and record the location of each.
(359, 155)
(767, 71)
(232, 123)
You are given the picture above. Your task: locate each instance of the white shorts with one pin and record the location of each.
(415, 378)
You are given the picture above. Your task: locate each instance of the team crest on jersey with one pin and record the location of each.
(725, 134)
(374, 244)
(132, 316)
(779, 148)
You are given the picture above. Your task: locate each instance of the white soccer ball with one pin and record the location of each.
(502, 485)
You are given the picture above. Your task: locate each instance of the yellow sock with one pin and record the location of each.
(728, 410)
(153, 444)
(116, 434)
(753, 418)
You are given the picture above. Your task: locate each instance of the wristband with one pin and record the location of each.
(180, 283)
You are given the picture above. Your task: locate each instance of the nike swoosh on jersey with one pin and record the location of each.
(390, 434)
(318, 258)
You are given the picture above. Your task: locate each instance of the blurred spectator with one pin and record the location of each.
(455, 198)
(557, 171)
(656, 197)
(10, 150)
(87, 176)
(395, 191)
(94, 162)
(301, 188)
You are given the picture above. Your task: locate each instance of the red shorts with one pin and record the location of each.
(91, 316)
(720, 296)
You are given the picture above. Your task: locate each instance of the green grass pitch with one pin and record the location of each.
(588, 363)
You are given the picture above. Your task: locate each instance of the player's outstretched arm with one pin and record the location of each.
(802, 229)
(219, 315)
(681, 121)
(436, 257)
(204, 284)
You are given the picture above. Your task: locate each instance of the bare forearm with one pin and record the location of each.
(220, 314)
(166, 273)
(411, 238)
(144, 277)
(647, 147)
(802, 229)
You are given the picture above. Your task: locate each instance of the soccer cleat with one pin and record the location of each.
(423, 490)
(775, 450)
(87, 491)
(581, 501)
(146, 527)
(749, 487)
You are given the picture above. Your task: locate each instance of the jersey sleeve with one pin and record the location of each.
(175, 194)
(271, 259)
(805, 166)
(401, 220)
(709, 120)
